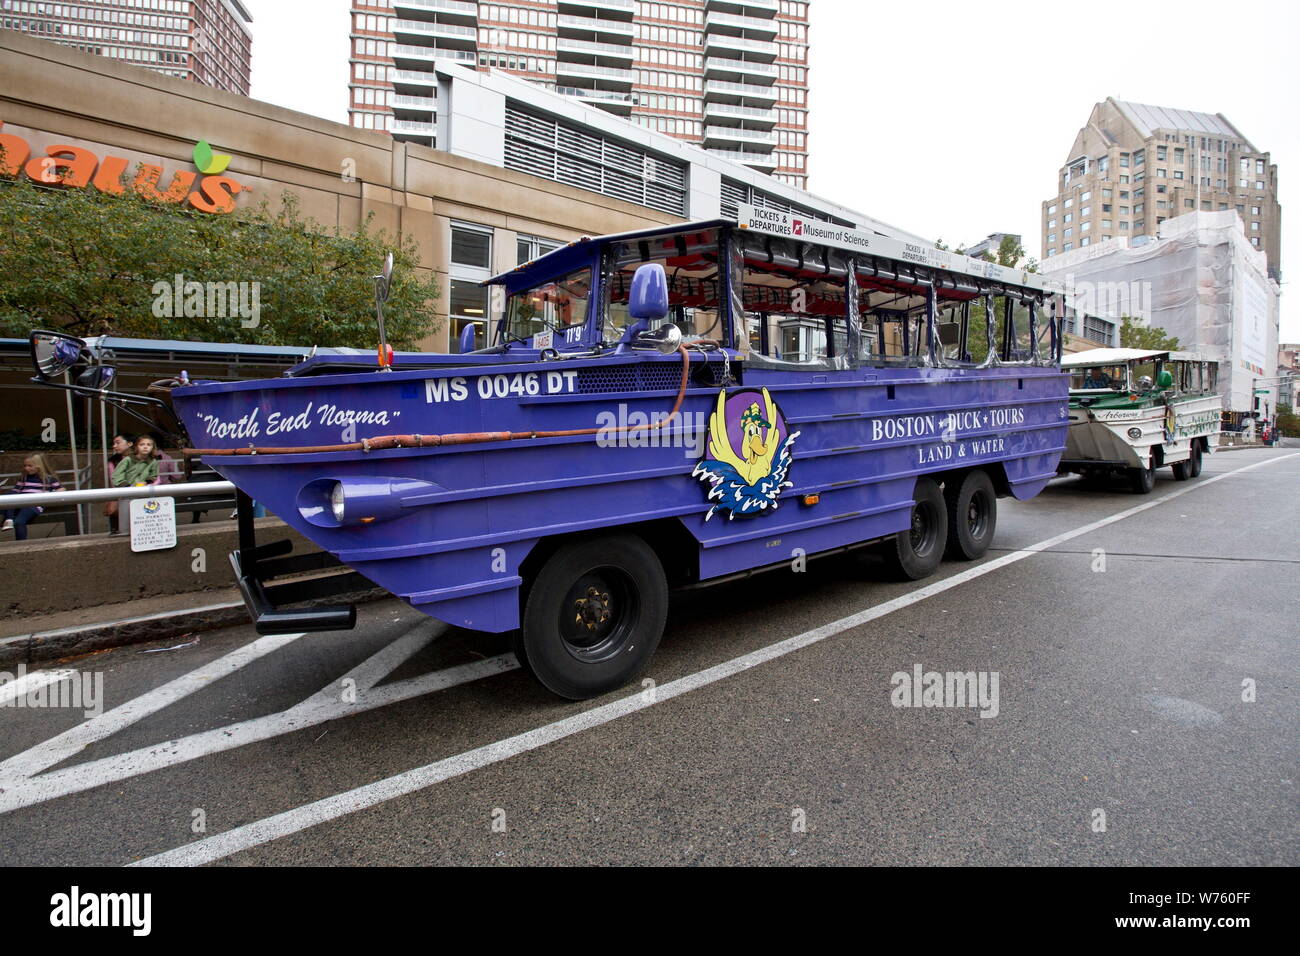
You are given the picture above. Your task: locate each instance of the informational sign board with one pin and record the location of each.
(792, 226)
(153, 524)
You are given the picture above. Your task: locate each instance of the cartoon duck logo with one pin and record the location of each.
(1171, 422)
(748, 482)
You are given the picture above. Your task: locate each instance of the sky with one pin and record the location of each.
(951, 120)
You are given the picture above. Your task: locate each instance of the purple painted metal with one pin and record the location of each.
(449, 529)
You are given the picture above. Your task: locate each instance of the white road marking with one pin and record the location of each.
(362, 798)
(71, 742)
(12, 690)
(19, 789)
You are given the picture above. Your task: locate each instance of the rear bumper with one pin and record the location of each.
(255, 565)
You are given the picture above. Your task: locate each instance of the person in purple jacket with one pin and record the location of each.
(37, 476)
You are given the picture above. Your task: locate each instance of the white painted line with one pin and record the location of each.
(12, 690)
(19, 787)
(362, 798)
(15, 770)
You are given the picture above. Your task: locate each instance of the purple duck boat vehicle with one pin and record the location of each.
(664, 408)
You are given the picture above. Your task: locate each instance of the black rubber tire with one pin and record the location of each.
(1197, 459)
(1142, 480)
(633, 577)
(972, 515)
(1182, 469)
(915, 553)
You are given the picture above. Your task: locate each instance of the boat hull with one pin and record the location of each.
(462, 519)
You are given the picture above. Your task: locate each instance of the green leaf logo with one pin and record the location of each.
(208, 162)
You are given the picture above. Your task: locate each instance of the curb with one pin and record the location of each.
(44, 646)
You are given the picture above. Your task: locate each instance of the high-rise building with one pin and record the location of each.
(1133, 166)
(728, 75)
(208, 41)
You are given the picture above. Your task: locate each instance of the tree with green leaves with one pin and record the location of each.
(91, 263)
(1134, 335)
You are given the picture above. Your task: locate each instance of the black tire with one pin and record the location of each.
(1142, 480)
(594, 616)
(1197, 459)
(915, 553)
(1182, 469)
(972, 515)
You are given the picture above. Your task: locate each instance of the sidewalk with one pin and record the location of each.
(42, 639)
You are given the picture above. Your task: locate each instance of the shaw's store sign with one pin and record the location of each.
(75, 167)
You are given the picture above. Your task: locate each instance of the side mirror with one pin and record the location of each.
(97, 378)
(648, 300)
(667, 338)
(54, 353)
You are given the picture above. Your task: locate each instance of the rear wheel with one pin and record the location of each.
(1182, 469)
(1196, 459)
(1142, 480)
(972, 516)
(915, 553)
(594, 616)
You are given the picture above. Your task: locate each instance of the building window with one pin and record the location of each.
(1107, 193)
(528, 248)
(1051, 209)
(1068, 204)
(1254, 227)
(1160, 174)
(471, 263)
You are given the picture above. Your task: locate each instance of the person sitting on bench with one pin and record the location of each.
(37, 476)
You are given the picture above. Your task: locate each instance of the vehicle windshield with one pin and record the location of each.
(554, 306)
(1099, 378)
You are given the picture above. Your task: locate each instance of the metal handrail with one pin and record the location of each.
(91, 495)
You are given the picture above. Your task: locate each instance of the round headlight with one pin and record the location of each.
(1132, 433)
(337, 501)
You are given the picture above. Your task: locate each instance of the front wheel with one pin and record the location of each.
(972, 516)
(915, 553)
(594, 616)
(1142, 480)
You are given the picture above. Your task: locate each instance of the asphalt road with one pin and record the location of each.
(1123, 650)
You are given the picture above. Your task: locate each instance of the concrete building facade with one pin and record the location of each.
(1133, 166)
(207, 41)
(1200, 281)
(728, 75)
(472, 209)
